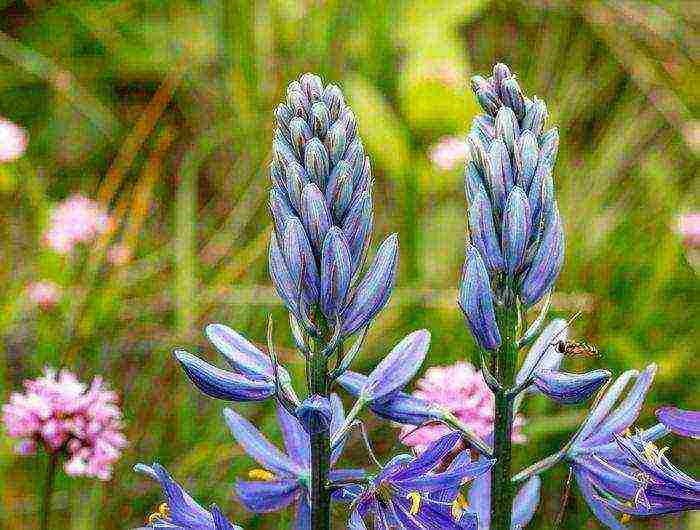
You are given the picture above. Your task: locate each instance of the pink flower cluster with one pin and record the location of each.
(448, 153)
(63, 415)
(44, 294)
(13, 141)
(76, 220)
(460, 389)
(689, 229)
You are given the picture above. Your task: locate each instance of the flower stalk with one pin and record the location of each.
(320, 443)
(49, 482)
(504, 367)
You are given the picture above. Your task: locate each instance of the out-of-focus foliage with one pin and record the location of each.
(162, 111)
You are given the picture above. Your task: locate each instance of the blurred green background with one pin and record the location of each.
(163, 112)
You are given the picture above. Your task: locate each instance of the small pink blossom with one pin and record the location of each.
(62, 415)
(446, 74)
(76, 220)
(13, 141)
(448, 153)
(689, 229)
(460, 389)
(44, 294)
(119, 254)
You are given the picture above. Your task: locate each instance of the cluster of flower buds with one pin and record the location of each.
(321, 204)
(517, 240)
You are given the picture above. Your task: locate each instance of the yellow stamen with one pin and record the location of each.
(650, 451)
(162, 513)
(459, 505)
(415, 499)
(260, 474)
(625, 518)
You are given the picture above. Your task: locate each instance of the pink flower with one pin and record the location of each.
(119, 254)
(446, 74)
(13, 141)
(689, 229)
(62, 415)
(76, 220)
(448, 153)
(461, 390)
(44, 294)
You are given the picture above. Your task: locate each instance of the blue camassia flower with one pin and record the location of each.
(415, 493)
(285, 478)
(620, 474)
(660, 487)
(181, 511)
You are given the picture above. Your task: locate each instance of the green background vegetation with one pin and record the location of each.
(163, 111)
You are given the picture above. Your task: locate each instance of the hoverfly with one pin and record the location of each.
(572, 348)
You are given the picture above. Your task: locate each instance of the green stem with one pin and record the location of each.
(320, 446)
(505, 362)
(48, 491)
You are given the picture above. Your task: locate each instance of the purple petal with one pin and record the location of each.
(547, 263)
(397, 368)
(515, 231)
(525, 502)
(476, 301)
(473, 183)
(483, 233)
(479, 498)
(431, 514)
(336, 271)
(356, 518)
(568, 388)
(597, 506)
(535, 117)
(626, 412)
(295, 179)
(296, 441)
(540, 195)
(258, 448)
(399, 407)
(220, 521)
(222, 384)
(357, 228)
(315, 414)
(337, 421)
(315, 215)
(448, 480)
(300, 260)
(679, 421)
(184, 510)
(302, 518)
(267, 495)
(339, 190)
(240, 353)
(282, 280)
(500, 175)
(405, 409)
(316, 162)
(508, 130)
(536, 360)
(352, 382)
(601, 410)
(431, 457)
(374, 289)
(549, 145)
(280, 209)
(529, 153)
